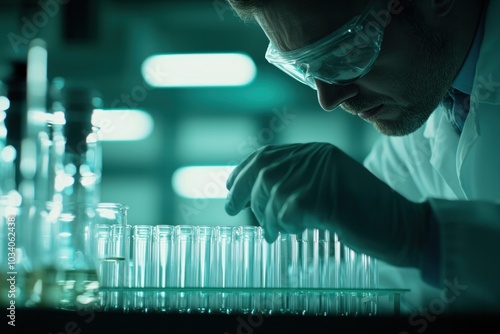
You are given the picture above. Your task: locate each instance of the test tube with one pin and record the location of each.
(289, 271)
(368, 281)
(374, 281)
(162, 267)
(222, 268)
(110, 251)
(102, 237)
(271, 275)
(314, 248)
(324, 269)
(248, 267)
(110, 230)
(183, 257)
(141, 266)
(339, 273)
(128, 296)
(201, 267)
(352, 274)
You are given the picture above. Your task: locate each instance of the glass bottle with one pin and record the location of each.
(27, 144)
(80, 184)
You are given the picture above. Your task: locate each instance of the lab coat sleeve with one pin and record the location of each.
(387, 161)
(470, 255)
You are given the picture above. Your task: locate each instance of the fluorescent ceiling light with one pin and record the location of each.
(201, 181)
(198, 70)
(128, 124)
(4, 105)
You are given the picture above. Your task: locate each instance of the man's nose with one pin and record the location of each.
(330, 96)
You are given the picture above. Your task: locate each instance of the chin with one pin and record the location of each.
(407, 121)
(398, 128)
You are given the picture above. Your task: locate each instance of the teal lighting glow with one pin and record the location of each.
(201, 181)
(127, 124)
(199, 70)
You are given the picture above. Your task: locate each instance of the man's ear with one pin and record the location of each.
(442, 7)
(434, 10)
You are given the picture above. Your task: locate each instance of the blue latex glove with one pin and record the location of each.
(293, 187)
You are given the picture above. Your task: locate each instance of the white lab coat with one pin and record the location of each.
(434, 163)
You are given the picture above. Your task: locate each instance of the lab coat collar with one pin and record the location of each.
(444, 142)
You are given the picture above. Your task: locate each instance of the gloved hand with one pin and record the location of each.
(293, 187)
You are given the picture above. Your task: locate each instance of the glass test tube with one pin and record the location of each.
(271, 275)
(141, 266)
(222, 268)
(324, 269)
(183, 264)
(369, 280)
(110, 251)
(338, 274)
(201, 267)
(110, 235)
(102, 235)
(314, 246)
(290, 270)
(163, 267)
(248, 252)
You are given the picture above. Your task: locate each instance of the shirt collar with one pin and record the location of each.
(465, 77)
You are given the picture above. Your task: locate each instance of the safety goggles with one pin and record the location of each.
(339, 58)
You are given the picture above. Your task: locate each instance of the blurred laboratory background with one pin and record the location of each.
(169, 139)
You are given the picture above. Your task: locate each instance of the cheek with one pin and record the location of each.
(398, 48)
(394, 70)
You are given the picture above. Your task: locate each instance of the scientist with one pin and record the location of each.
(424, 73)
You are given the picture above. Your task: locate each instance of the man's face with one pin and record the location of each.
(412, 73)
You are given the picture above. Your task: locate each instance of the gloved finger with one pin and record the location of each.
(237, 200)
(267, 149)
(292, 216)
(260, 197)
(271, 233)
(279, 194)
(239, 194)
(237, 170)
(263, 197)
(270, 214)
(241, 187)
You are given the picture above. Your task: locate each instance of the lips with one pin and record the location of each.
(368, 114)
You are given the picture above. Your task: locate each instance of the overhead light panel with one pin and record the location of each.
(127, 124)
(201, 181)
(199, 70)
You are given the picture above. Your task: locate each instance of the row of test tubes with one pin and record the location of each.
(224, 269)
